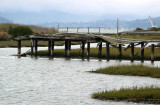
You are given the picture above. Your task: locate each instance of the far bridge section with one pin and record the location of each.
(88, 30)
(86, 38)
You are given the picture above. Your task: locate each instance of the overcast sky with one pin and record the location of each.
(98, 7)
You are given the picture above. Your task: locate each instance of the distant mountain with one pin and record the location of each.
(4, 20)
(52, 18)
(141, 23)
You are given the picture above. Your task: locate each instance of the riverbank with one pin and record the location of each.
(148, 95)
(133, 70)
(94, 53)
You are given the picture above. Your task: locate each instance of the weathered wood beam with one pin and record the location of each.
(129, 46)
(142, 49)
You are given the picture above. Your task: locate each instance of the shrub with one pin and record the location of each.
(153, 29)
(139, 29)
(20, 31)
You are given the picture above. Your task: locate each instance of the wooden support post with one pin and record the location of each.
(66, 47)
(49, 47)
(107, 51)
(32, 46)
(69, 45)
(52, 48)
(36, 46)
(88, 49)
(19, 46)
(69, 48)
(88, 30)
(99, 30)
(83, 48)
(100, 50)
(152, 53)
(58, 28)
(142, 51)
(77, 29)
(132, 51)
(120, 51)
(67, 29)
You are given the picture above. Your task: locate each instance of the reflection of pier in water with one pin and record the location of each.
(87, 38)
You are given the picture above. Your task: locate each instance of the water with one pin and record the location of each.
(60, 81)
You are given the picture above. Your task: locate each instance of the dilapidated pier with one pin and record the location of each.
(87, 38)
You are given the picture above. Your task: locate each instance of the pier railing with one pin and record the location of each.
(92, 30)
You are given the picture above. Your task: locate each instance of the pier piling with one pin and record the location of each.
(132, 51)
(107, 51)
(19, 46)
(142, 52)
(152, 52)
(120, 51)
(52, 48)
(32, 46)
(100, 50)
(88, 49)
(36, 46)
(49, 47)
(83, 48)
(67, 48)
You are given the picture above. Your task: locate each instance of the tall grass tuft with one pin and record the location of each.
(135, 94)
(135, 70)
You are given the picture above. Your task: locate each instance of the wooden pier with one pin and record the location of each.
(87, 39)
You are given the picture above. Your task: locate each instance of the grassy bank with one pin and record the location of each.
(146, 95)
(135, 70)
(113, 53)
(145, 37)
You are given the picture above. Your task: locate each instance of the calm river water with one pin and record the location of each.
(60, 81)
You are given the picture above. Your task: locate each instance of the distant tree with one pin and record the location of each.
(20, 31)
(139, 29)
(153, 29)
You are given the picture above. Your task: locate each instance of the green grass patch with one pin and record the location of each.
(135, 70)
(145, 94)
(113, 53)
(144, 37)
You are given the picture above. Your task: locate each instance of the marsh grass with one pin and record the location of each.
(135, 70)
(145, 37)
(113, 53)
(144, 94)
